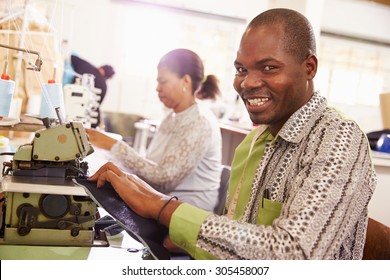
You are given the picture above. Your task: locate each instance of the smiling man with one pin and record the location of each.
(275, 64)
(300, 182)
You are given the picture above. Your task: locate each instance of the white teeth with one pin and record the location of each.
(257, 101)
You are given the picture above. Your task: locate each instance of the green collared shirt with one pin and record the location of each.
(244, 165)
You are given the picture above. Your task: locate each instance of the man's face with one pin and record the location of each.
(270, 81)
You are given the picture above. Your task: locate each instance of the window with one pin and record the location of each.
(146, 32)
(352, 72)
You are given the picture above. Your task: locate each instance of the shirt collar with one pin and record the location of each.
(187, 111)
(298, 125)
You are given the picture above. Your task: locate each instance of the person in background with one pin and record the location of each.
(185, 154)
(300, 183)
(210, 95)
(102, 74)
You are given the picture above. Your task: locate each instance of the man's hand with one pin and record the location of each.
(137, 194)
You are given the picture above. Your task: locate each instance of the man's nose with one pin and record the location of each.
(251, 81)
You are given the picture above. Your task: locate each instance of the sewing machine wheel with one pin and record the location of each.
(54, 206)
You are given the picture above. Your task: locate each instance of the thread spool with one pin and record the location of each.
(52, 97)
(16, 108)
(34, 105)
(7, 88)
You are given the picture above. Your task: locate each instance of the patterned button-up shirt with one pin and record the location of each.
(319, 166)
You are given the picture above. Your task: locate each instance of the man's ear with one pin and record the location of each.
(311, 64)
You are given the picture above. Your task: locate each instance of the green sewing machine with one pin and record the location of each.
(42, 205)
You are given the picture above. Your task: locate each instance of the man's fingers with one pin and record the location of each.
(107, 176)
(101, 180)
(112, 167)
(109, 166)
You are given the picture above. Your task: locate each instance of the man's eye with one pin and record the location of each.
(269, 68)
(240, 70)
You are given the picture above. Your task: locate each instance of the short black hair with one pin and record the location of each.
(299, 39)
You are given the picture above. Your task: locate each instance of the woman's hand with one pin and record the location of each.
(137, 194)
(100, 139)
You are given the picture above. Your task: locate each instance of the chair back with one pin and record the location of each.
(377, 246)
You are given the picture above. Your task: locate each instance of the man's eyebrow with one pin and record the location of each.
(260, 62)
(237, 63)
(265, 60)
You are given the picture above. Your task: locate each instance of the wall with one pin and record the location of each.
(360, 19)
(363, 22)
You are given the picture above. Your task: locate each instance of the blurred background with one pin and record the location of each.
(353, 38)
